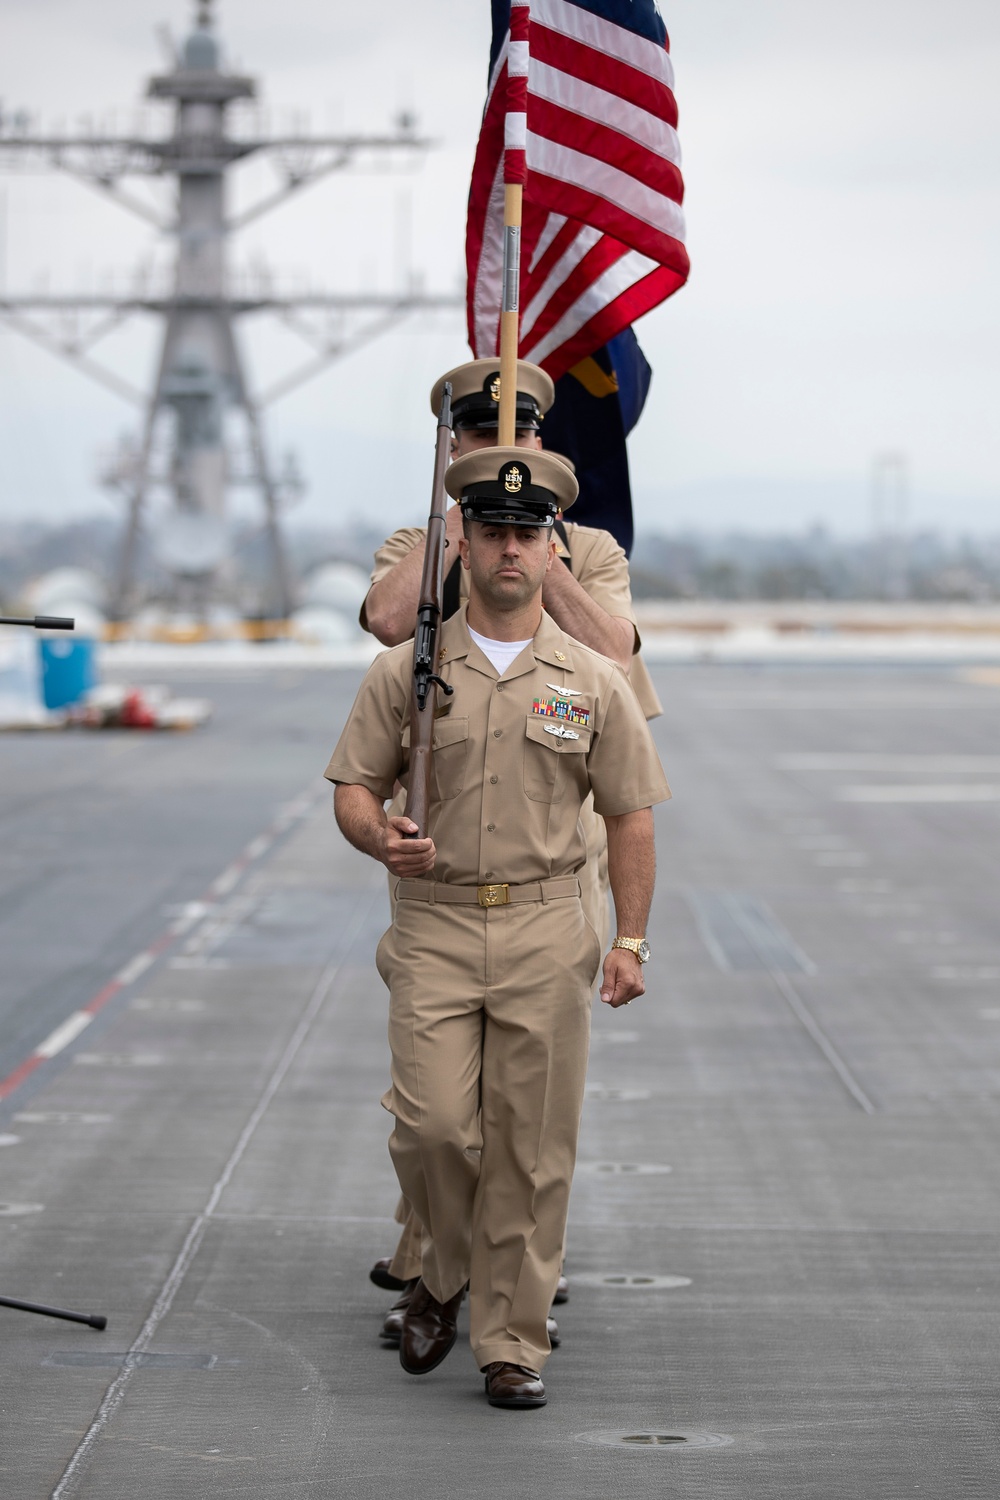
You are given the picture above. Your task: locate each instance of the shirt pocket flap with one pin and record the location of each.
(557, 735)
(447, 731)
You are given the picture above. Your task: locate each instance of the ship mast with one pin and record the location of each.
(201, 374)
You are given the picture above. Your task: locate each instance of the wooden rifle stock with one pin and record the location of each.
(423, 695)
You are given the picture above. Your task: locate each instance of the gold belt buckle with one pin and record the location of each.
(493, 895)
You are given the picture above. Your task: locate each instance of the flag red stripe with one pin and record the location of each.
(602, 200)
(536, 272)
(604, 72)
(626, 309)
(595, 139)
(597, 260)
(577, 203)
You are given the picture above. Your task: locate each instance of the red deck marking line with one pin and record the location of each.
(15, 1079)
(102, 997)
(68, 1030)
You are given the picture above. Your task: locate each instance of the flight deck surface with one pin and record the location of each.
(783, 1236)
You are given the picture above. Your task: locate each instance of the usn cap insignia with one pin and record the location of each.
(495, 388)
(512, 479)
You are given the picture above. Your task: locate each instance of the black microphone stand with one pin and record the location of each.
(92, 1320)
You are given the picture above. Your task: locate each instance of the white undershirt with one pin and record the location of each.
(500, 653)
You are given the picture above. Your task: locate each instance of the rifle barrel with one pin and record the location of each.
(423, 697)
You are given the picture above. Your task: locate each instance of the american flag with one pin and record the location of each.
(602, 240)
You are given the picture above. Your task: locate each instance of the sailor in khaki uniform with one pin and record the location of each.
(490, 960)
(589, 595)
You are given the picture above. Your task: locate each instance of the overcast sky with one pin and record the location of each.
(843, 215)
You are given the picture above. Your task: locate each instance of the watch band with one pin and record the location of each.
(634, 945)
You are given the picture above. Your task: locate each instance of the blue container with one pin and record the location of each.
(69, 669)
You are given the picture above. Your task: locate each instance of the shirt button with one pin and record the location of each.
(499, 687)
(491, 828)
(494, 780)
(497, 733)
(488, 875)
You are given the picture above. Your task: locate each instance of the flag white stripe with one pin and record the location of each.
(515, 131)
(498, 67)
(553, 224)
(567, 262)
(518, 59)
(625, 192)
(605, 36)
(489, 272)
(597, 104)
(625, 272)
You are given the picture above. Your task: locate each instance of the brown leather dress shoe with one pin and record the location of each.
(513, 1385)
(392, 1326)
(429, 1330)
(383, 1277)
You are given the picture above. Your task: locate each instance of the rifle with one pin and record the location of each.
(423, 695)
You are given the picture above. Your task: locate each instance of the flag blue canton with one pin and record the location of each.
(640, 16)
(501, 25)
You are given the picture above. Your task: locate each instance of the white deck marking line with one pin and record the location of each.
(193, 912)
(223, 884)
(135, 967)
(64, 1034)
(930, 765)
(115, 1393)
(912, 792)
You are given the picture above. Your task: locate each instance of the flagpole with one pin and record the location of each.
(510, 315)
(514, 176)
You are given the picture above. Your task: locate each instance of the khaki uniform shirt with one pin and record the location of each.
(600, 567)
(514, 757)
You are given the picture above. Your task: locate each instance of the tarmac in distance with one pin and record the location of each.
(782, 1242)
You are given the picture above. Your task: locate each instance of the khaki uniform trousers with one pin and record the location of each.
(406, 1260)
(489, 1026)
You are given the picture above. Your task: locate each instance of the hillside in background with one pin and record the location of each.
(665, 565)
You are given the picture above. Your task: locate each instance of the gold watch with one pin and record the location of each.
(638, 946)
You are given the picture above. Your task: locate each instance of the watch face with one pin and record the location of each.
(643, 952)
